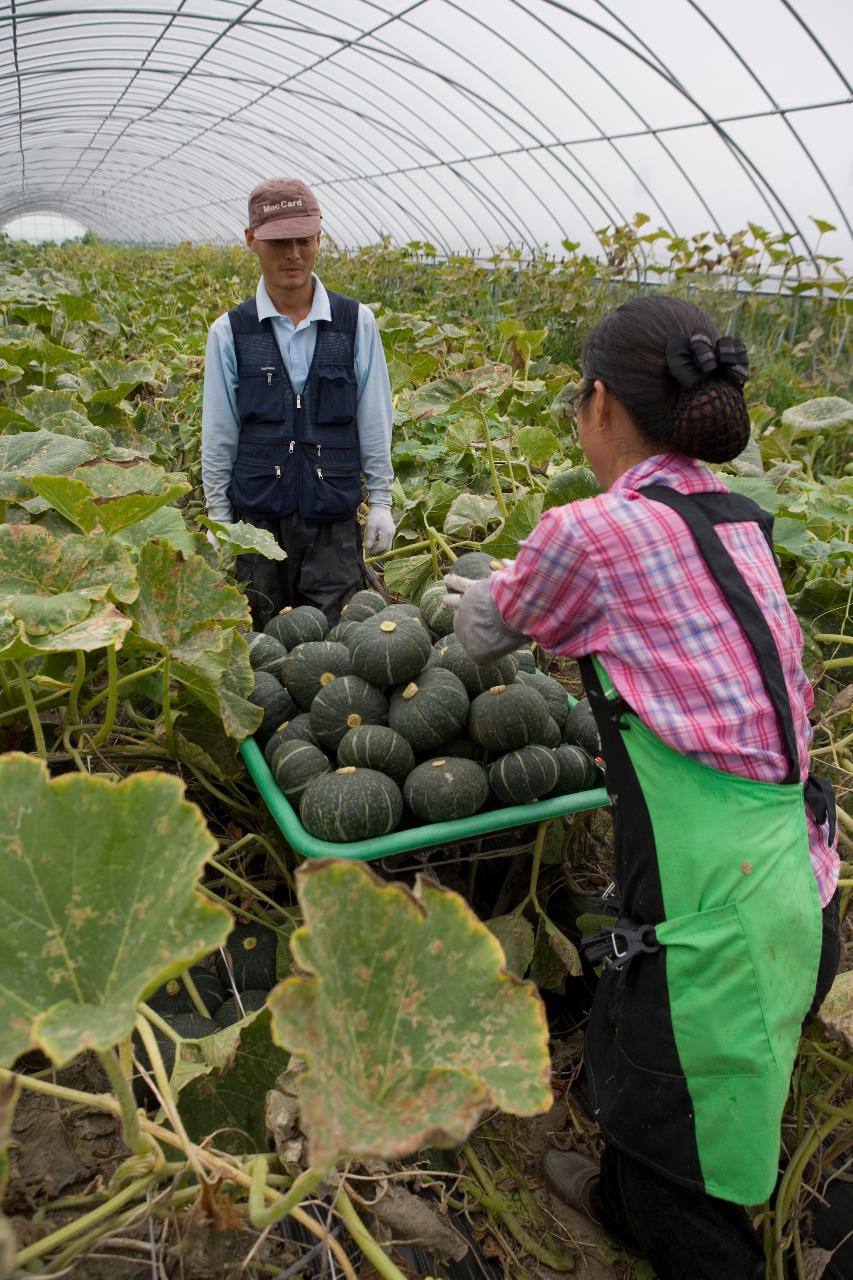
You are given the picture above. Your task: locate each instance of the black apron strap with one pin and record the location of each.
(737, 594)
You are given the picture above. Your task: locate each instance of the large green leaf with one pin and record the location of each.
(519, 524)
(166, 523)
(408, 575)
(100, 899)
(537, 444)
(240, 537)
(53, 592)
(33, 563)
(229, 1099)
(101, 626)
(109, 496)
(37, 452)
(470, 513)
(110, 381)
(409, 1023)
(186, 610)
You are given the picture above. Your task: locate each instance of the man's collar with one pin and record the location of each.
(320, 308)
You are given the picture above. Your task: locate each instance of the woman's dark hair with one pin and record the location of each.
(681, 384)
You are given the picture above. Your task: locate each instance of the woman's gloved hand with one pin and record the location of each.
(456, 588)
(379, 530)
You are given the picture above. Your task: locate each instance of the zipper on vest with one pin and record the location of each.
(319, 472)
(278, 473)
(269, 379)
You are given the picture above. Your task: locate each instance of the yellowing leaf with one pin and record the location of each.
(406, 1016)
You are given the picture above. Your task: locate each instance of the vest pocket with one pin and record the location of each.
(330, 481)
(336, 393)
(260, 397)
(706, 973)
(263, 482)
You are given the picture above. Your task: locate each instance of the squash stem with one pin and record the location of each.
(399, 551)
(155, 1057)
(112, 699)
(264, 1215)
(496, 484)
(121, 685)
(49, 700)
(72, 1230)
(194, 995)
(29, 703)
(369, 1246)
(442, 542)
(538, 846)
(73, 713)
(253, 890)
(225, 799)
(505, 1211)
(129, 1114)
(271, 850)
(5, 687)
(167, 708)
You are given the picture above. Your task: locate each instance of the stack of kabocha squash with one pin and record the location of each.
(385, 718)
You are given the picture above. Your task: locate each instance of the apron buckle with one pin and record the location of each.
(616, 944)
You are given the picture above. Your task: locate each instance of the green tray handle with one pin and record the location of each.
(424, 837)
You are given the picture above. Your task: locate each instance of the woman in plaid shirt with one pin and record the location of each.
(666, 589)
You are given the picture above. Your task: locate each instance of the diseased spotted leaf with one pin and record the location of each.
(409, 1023)
(240, 537)
(471, 512)
(519, 524)
(109, 496)
(101, 905)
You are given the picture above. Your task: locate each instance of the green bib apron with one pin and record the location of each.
(690, 1046)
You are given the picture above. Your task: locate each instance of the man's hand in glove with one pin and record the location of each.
(379, 530)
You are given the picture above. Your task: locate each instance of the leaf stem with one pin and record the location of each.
(244, 884)
(442, 542)
(271, 850)
(29, 703)
(830, 639)
(155, 1057)
(399, 551)
(194, 995)
(48, 700)
(230, 801)
(369, 1246)
(112, 698)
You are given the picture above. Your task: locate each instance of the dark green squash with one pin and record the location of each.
(550, 735)
(351, 804)
(581, 730)
(524, 775)
(526, 661)
(343, 633)
(276, 703)
(476, 564)
(436, 613)
(477, 677)
(344, 704)
(362, 605)
(463, 747)
(311, 666)
(375, 746)
(251, 949)
(446, 788)
(507, 716)
(265, 652)
(293, 766)
(390, 651)
(429, 710)
(298, 626)
(173, 998)
(553, 693)
(296, 730)
(578, 770)
(235, 1011)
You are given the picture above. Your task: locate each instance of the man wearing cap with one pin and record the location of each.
(297, 407)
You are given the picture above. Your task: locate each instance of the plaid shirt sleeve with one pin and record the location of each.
(552, 593)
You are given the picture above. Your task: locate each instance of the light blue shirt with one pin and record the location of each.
(220, 421)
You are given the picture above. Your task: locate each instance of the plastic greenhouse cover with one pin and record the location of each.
(469, 124)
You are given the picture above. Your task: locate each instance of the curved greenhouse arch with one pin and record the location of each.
(473, 127)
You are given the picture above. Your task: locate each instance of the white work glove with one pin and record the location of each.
(379, 530)
(456, 588)
(212, 539)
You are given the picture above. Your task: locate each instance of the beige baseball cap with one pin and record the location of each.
(283, 209)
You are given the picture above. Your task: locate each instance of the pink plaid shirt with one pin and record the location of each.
(620, 576)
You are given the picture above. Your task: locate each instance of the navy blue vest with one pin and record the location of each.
(297, 453)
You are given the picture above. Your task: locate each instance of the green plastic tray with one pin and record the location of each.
(408, 838)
